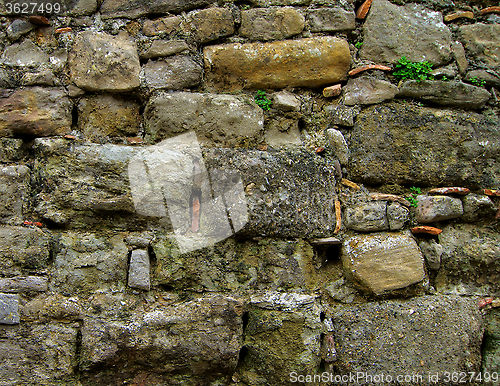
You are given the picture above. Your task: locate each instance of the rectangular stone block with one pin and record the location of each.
(14, 184)
(9, 309)
(138, 272)
(24, 284)
(310, 62)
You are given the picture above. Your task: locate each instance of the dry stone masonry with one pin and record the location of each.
(244, 193)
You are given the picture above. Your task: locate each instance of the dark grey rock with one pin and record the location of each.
(137, 8)
(138, 272)
(446, 93)
(367, 217)
(368, 91)
(438, 208)
(24, 284)
(432, 252)
(434, 334)
(477, 207)
(271, 23)
(7, 78)
(470, 261)
(9, 309)
(25, 54)
(19, 28)
(416, 32)
(397, 215)
(15, 185)
(330, 20)
(175, 73)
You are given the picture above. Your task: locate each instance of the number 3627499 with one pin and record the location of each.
(20, 8)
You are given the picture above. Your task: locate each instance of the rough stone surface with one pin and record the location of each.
(211, 24)
(446, 93)
(24, 284)
(438, 208)
(368, 91)
(416, 32)
(80, 7)
(442, 332)
(331, 20)
(339, 145)
(85, 263)
(424, 146)
(163, 25)
(271, 23)
(470, 261)
(35, 111)
(283, 132)
(397, 215)
(223, 120)
(310, 62)
(481, 42)
(432, 252)
(14, 184)
(138, 273)
(43, 78)
(159, 48)
(341, 115)
(176, 335)
(383, 262)
(19, 28)
(9, 309)
(107, 115)
(25, 54)
(137, 8)
(286, 101)
(489, 77)
(477, 207)
(367, 217)
(11, 149)
(23, 248)
(102, 62)
(48, 307)
(174, 73)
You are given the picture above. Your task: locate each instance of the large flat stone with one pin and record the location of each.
(482, 42)
(102, 62)
(310, 62)
(424, 147)
(14, 183)
(218, 120)
(35, 111)
(438, 208)
(421, 337)
(383, 262)
(392, 31)
(137, 8)
(470, 263)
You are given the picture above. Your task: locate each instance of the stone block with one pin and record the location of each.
(310, 62)
(163, 25)
(24, 284)
(397, 215)
(25, 54)
(477, 207)
(339, 145)
(80, 8)
(424, 336)
(158, 48)
(367, 217)
(271, 23)
(175, 73)
(19, 28)
(331, 20)
(11, 150)
(286, 101)
(416, 33)
(481, 42)
(138, 272)
(432, 252)
(14, 184)
(35, 111)
(49, 307)
(470, 261)
(438, 208)
(368, 91)
(211, 24)
(137, 8)
(383, 262)
(102, 62)
(341, 115)
(9, 309)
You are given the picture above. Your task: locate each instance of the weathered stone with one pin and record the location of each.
(330, 20)
(164, 25)
(14, 183)
(139, 240)
(481, 42)
(368, 91)
(416, 32)
(341, 115)
(24, 284)
(221, 120)
(459, 55)
(11, 149)
(438, 208)
(470, 261)
(432, 252)
(48, 307)
(232, 265)
(23, 247)
(271, 23)
(477, 207)
(341, 291)
(397, 215)
(491, 357)
(138, 272)
(339, 145)
(35, 111)
(25, 54)
(196, 342)
(490, 78)
(447, 93)
(454, 190)
(269, 3)
(282, 131)
(101, 62)
(43, 78)
(286, 101)
(173, 73)
(87, 263)
(80, 8)
(7, 78)
(421, 337)
(367, 217)
(9, 309)
(383, 262)
(311, 62)
(211, 24)
(19, 28)
(106, 115)
(137, 8)
(423, 146)
(159, 48)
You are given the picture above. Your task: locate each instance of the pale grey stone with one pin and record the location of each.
(138, 272)
(286, 101)
(9, 309)
(339, 145)
(438, 208)
(24, 284)
(174, 73)
(459, 55)
(80, 8)
(14, 184)
(44, 78)
(283, 132)
(19, 28)
(432, 252)
(477, 207)
(137, 8)
(159, 48)
(341, 291)
(397, 216)
(367, 217)
(271, 23)
(25, 54)
(368, 91)
(330, 20)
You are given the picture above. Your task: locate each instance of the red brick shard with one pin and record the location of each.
(357, 70)
(453, 190)
(39, 20)
(363, 10)
(495, 9)
(492, 192)
(63, 30)
(425, 229)
(332, 91)
(389, 197)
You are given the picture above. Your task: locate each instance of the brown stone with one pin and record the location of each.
(271, 23)
(459, 15)
(350, 184)
(211, 24)
(164, 25)
(63, 30)
(39, 20)
(425, 229)
(481, 42)
(310, 62)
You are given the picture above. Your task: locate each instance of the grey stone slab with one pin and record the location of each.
(368, 91)
(138, 272)
(24, 284)
(367, 217)
(330, 20)
(25, 54)
(137, 8)
(9, 309)
(15, 185)
(481, 42)
(173, 73)
(438, 208)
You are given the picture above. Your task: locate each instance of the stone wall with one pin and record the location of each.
(365, 209)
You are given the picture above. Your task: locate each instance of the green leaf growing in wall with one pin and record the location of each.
(406, 69)
(358, 45)
(412, 198)
(477, 82)
(262, 101)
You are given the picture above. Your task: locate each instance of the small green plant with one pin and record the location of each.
(245, 7)
(477, 82)
(262, 101)
(444, 78)
(412, 198)
(358, 45)
(406, 69)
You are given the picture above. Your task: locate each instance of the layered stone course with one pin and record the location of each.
(245, 193)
